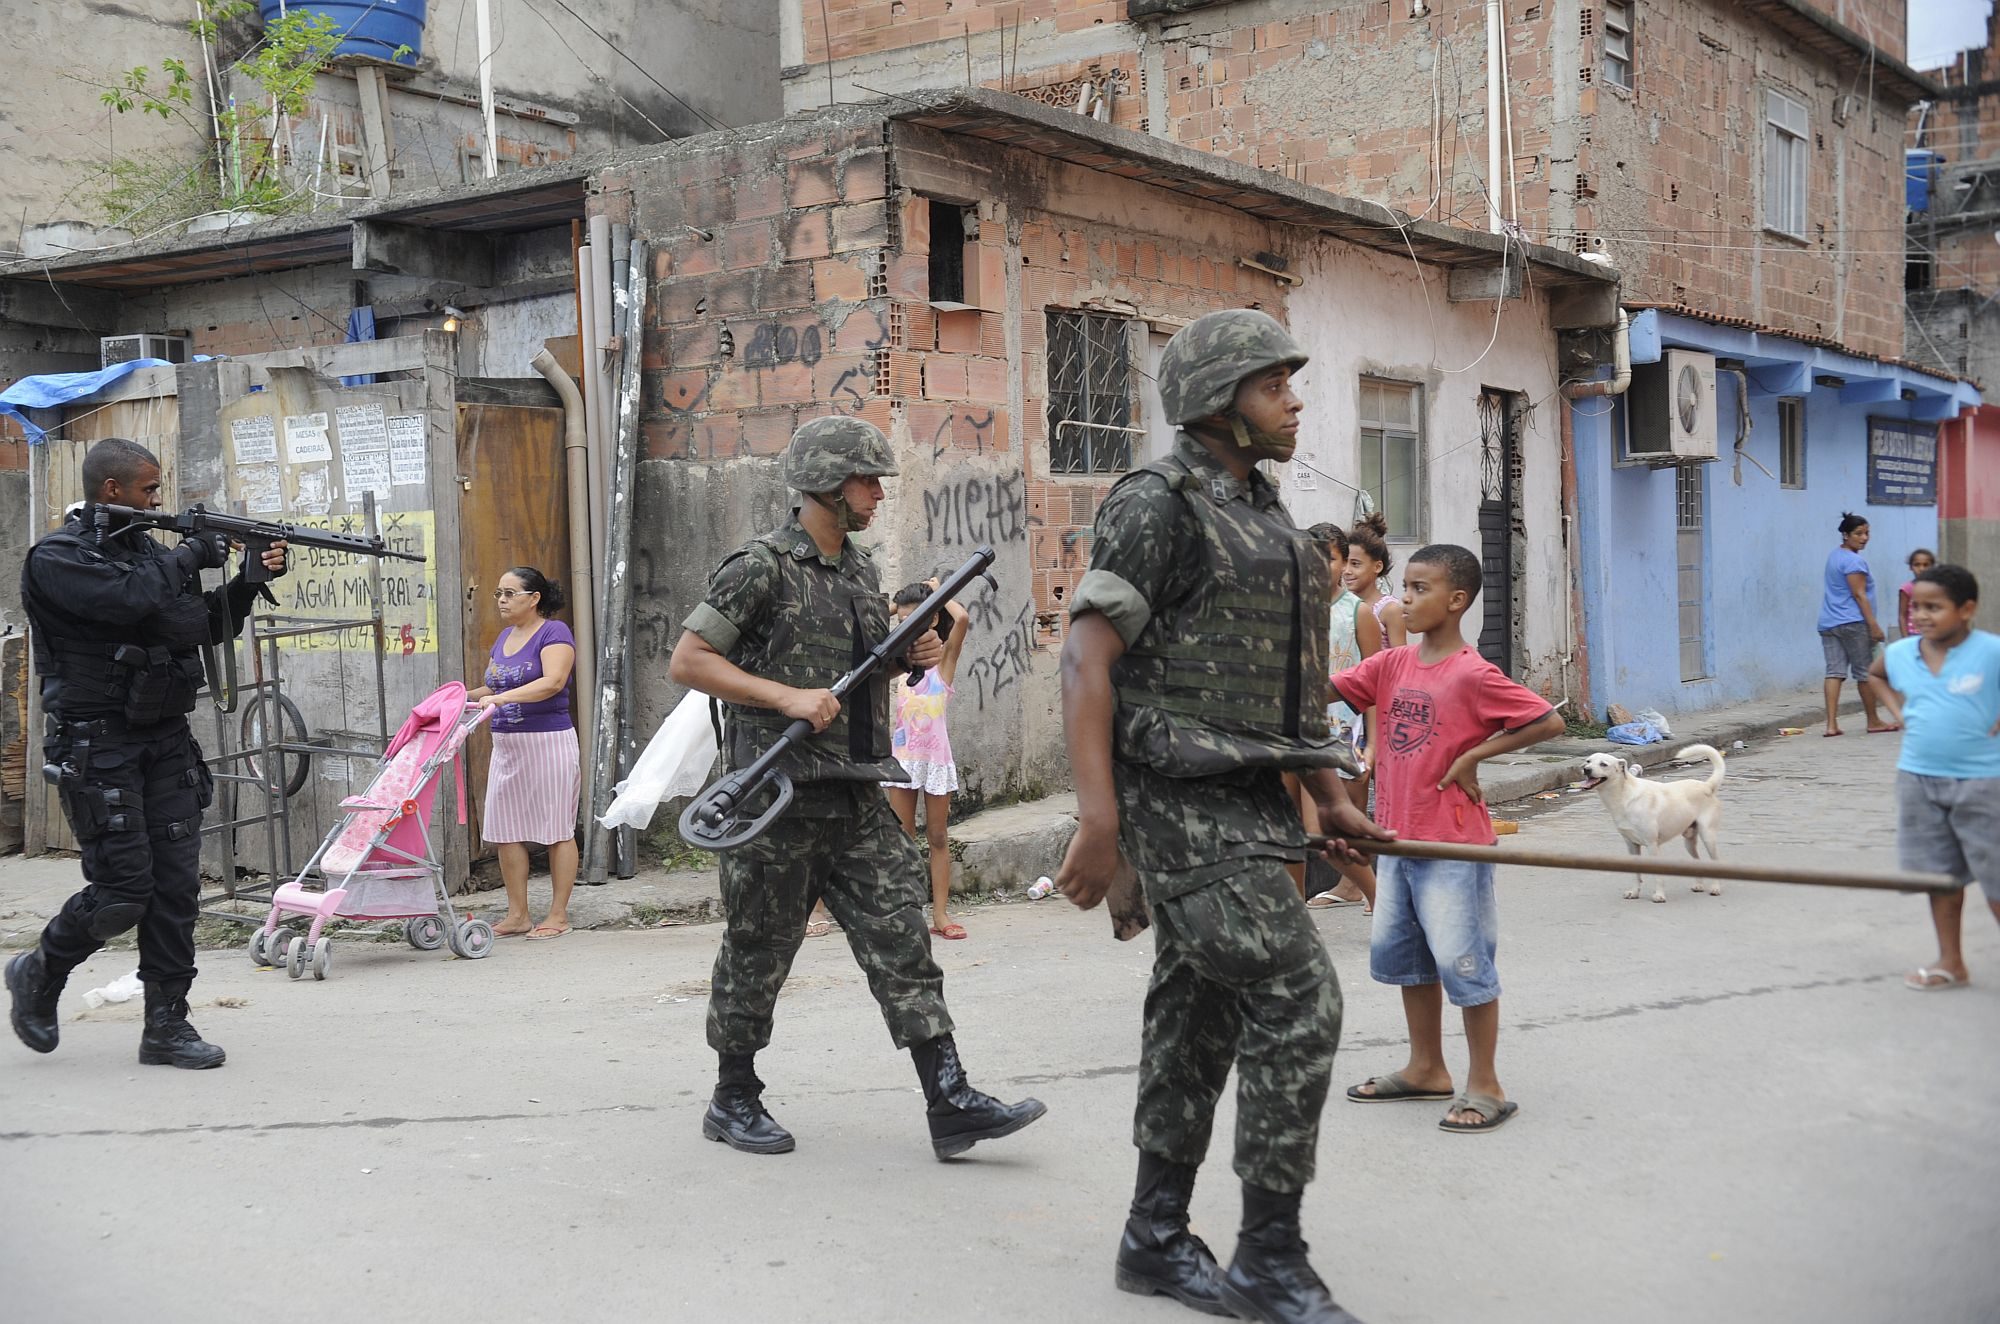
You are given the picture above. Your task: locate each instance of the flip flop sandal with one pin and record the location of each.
(1327, 901)
(1493, 1114)
(543, 933)
(1884, 730)
(953, 931)
(1392, 1088)
(1926, 980)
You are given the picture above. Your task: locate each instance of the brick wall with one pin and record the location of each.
(1665, 179)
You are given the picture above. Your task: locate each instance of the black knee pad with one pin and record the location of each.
(113, 918)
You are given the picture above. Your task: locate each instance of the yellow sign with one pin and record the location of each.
(333, 586)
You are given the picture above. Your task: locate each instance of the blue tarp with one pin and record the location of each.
(360, 326)
(59, 388)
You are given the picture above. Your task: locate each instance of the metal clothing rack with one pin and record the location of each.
(261, 767)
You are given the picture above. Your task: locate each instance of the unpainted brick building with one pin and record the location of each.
(1733, 158)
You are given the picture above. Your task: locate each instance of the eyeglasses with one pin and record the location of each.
(503, 594)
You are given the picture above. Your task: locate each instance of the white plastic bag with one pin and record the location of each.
(675, 763)
(1658, 719)
(122, 989)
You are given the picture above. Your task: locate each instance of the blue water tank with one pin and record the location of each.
(1919, 166)
(374, 28)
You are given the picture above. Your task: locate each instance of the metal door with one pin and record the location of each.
(1691, 559)
(1501, 536)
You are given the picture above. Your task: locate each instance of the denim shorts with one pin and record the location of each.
(1950, 825)
(1436, 922)
(1848, 650)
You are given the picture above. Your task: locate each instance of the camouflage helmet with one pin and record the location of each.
(1202, 365)
(826, 452)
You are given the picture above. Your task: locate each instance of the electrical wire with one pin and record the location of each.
(699, 114)
(607, 84)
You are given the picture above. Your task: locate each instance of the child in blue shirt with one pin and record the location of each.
(1946, 682)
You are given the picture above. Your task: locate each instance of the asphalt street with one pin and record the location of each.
(1731, 1110)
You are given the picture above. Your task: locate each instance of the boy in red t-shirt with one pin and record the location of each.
(1444, 709)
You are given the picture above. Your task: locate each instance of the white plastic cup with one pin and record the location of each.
(1042, 887)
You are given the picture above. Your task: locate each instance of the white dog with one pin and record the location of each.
(1649, 814)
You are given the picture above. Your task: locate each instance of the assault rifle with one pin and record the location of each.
(718, 818)
(257, 535)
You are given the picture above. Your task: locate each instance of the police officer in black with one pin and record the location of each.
(117, 620)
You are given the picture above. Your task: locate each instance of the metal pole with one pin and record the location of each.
(1874, 881)
(1493, 40)
(484, 15)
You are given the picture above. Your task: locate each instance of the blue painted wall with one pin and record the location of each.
(1766, 545)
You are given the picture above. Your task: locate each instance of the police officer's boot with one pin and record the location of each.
(1271, 1280)
(1159, 1256)
(168, 1039)
(736, 1113)
(960, 1115)
(34, 993)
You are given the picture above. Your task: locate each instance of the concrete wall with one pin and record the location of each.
(1969, 501)
(1765, 545)
(1956, 331)
(719, 56)
(1452, 350)
(1666, 179)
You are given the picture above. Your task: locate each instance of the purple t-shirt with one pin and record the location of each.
(506, 671)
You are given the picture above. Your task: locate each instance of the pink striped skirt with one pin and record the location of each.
(532, 786)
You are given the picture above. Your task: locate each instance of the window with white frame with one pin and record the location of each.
(1791, 442)
(1392, 453)
(1618, 43)
(1787, 137)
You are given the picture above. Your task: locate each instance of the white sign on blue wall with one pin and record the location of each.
(1902, 463)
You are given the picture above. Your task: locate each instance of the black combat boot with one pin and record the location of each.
(960, 1115)
(736, 1114)
(35, 994)
(1271, 1280)
(168, 1040)
(1159, 1256)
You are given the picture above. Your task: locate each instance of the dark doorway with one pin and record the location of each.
(1502, 539)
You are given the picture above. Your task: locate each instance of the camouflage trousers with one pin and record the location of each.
(874, 882)
(1239, 976)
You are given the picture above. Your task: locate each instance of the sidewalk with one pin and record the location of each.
(996, 854)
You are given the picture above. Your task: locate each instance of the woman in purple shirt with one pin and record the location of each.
(533, 782)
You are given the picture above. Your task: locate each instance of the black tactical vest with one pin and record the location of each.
(1234, 676)
(145, 671)
(822, 624)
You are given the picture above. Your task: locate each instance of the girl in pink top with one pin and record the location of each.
(923, 746)
(1920, 560)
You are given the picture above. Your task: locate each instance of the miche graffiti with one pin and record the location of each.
(970, 511)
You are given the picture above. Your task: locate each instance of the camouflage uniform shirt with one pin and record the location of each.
(1179, 833)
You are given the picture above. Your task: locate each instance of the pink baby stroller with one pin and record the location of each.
(379, 862)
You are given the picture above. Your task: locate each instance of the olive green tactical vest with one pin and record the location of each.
(823, 623)
(1233, 676)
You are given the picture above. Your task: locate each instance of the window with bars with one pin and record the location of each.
(1787, 131)
(1618, 43)
(1392, 453)
(1090, 392)
(1791, 442)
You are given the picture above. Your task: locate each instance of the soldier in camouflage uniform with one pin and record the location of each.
(1194, 675)
(786, 616)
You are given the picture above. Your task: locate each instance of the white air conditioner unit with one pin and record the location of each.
(1671, 410)
(148, 345)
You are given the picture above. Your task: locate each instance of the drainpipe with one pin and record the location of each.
(582, 580)
(1621, 377)
(1494, 38)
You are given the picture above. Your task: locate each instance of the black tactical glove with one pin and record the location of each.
(199, 551)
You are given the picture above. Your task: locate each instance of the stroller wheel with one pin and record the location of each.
(425, 933)
(322, 957)
(475, 939)
(256, 947)
(295, 959)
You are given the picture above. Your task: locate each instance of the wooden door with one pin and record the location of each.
(513, 510)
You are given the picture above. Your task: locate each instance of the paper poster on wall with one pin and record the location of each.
(315, 492)
(255, 440)
(334, 586)
(306, 441)
(362, 427)
(364, 451)
(1304, 479)
(261, 488)
(407, 435)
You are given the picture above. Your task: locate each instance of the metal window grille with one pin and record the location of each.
(1392, 453)
(1090, 393)
(1786, 126)
(1791, 443)
(1689, 503)
(1618, 43)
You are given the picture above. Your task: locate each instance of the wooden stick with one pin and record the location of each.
(1874, 881)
